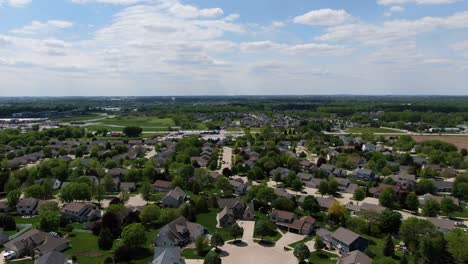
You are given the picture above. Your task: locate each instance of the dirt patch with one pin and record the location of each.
(459, 141)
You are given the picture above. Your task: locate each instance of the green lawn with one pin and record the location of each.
(33, 220)
(376, 246)
(305, 240)
(208, 220)
(85, 247)
(26, 261)
(371, 130)
(190, 253)
(463, 213)
(79, 118)
(273, 238)
(139, 121)
(323, 258)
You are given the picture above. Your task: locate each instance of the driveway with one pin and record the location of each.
(226, 158)
(288, 239)
(249, 227)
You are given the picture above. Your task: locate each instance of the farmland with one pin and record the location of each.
(459, 141)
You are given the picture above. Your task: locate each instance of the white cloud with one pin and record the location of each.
(420, 2)
(114, 2)
(278, 24)
(15, 3)
(188, 11)
(37, 27)
(393, 31)
(323, 17)
(397, 9)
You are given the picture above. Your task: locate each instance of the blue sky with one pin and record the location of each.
(226, 47)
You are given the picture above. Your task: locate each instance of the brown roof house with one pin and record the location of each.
(290, 221)
(179, 232)
(28, 206)
(162, 186)
(80, 212)
(35, 243)
(354, 257)
(344, 240)
(233, 209)
(174, 198)
(443, 225)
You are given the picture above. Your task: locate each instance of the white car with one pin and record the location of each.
(9, 255)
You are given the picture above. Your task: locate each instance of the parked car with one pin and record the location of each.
(9, 255)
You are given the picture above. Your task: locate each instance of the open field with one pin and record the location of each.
(371, 130)
(79, 118)
(459, 141)
(139, 121)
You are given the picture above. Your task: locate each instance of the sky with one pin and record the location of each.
(233, 47)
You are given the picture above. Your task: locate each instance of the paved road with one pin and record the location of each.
(288, 239)
(226, 159)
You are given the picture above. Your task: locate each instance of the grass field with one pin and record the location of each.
(459, 141)
(370, 130)
(79, 118)
(190, 253)
(85, 247)
(322, 258)
(139, 121)
(208, 220)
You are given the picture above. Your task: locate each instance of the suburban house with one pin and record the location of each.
(363, 175)
(233, 209)
(407, 181)
(368, 147)
(325, 203)
(290, 221)
(167, 255)
(28, 206)
(365, 207)
(427, 196)
(239, 186)
(127, 186)
(354, 257)
(442, 186)
(162, 186)
(174, 198)
(281, 192)
(52, 257)
(343, 239)
(37, 242)
(443, 225)
(4, 208)
(282, 172)
(345, 185)
(179, 232)
(80, 212)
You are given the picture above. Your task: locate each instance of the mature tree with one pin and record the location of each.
(433, 249)
(7, 222)
(425, 186)
(124, 197)
(457, 240)
(301, 252)
(98, 193)
(447, 206)
(332, 186)
(285, 204)
(236, 231)
(13, 198)
(108, 183)
(319, 245)
(146, 191)
(387, 198)
(201, 245)
(111, 222)
(105, 240)
(132, 131)
(263, 227)
(337, 212)
(212, 258)
(49, 221)
(311, 204)
(216, 240)
(389, 247)
(297, 185)
(460, 186)
(323, 187)
(412, 229)
(134, 235)
(389, 222)
(49, 206)
(430, 208)
(224, 185)
(412, 202)
(150, 214)
(35, 191)
(75, 191)
(359, 194)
